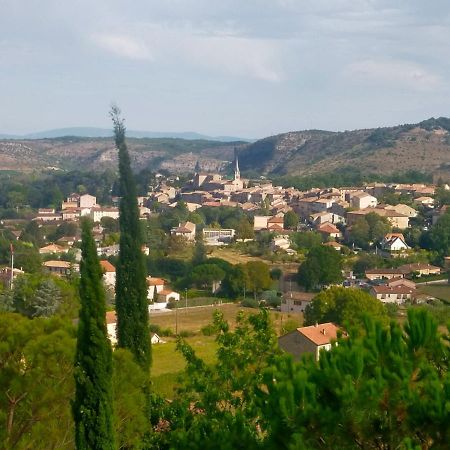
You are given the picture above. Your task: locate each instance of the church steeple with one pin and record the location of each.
(237, 173)
(197, 167)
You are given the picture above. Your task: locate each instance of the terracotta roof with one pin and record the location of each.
(389, 271)
(62, 264)
(275, 226)
(155, 281)
(111, 317)
(328, 227)
(107, 266)
(407, 268)
(320, 334)
(166, 292)
(276, 219)
(333, 244)
(392, 290)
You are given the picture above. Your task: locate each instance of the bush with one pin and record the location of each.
(208, 330)
(154, 328)
(250, 303)
(289, 325)
(186, 334)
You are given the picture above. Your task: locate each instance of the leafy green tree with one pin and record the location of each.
(32, 233)
(199, 256)
(244, 229)
(131, 287)
(207, 275)
(235, 281)
(306, 240)
(258, 276)
(439, 236)
(290, 220)
(92, 407)
(344, 306)
(36, 383)
(322, 266)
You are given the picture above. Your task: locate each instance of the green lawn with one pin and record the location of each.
(440, 291)
(168, 364)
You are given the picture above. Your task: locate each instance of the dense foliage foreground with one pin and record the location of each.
(382, 387)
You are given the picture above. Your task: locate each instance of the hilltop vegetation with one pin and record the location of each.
(424, 147)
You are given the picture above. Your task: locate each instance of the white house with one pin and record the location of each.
(109, 273)
(394, 242)
(87, 201)
(295, 302)
(218, 236)
(184, 229)
(280, 243)
(362, 200)
(97, 213)
(392, 294)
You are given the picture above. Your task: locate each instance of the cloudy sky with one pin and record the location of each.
(247, 68)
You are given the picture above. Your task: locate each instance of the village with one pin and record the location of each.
(374, 228)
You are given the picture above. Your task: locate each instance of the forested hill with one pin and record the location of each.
(97, 154)
(423, 147)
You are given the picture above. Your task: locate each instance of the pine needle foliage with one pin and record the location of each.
(92, 408)
(131, 287)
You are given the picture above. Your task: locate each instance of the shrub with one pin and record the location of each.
(250, 303)
(208, 330)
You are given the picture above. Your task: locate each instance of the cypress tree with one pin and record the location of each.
(92, 408)
(131, 286)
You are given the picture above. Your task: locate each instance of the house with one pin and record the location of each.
(394, 243)
(87, 201)
(52, 249)
(166, 296)
(280, 243)
(403, 209)
(329, 230)
(48, 217)
(424, 201)
(218, 236)
(109, 273)
(334, 244)
(310, 339)
(362, 200)
(295, 302)
(419, 269)
(392, 294)
(154, 286)
(397, 281)
(380, 274)
(184, 229)
(111, 250)
(97, 213)
(275, 223)
(61, 267)
(111, 321)
(397, 220)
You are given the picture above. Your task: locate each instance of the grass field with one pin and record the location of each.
(440, 291)
(233, 256)
(168, 364)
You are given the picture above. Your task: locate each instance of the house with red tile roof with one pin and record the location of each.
(310, 339)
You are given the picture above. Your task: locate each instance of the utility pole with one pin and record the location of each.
(185, 298)
(176, 317)
(11, 282)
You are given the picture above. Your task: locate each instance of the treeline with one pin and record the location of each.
(350, 176)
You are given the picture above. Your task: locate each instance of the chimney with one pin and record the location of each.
(316, 324)
(323, 331)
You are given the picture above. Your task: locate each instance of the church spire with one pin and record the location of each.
(237, 173)
(197, 167)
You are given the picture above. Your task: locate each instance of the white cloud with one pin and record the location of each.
(124, 46)
(394, 73)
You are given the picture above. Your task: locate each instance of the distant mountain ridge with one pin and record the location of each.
(424, 147)
(92, 132)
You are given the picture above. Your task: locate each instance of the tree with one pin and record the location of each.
(36, 383)
(199, 256)
(344, 306)
(322, 266)
(207, 275)
(439, 236)
(290, 220)
(244, 230)
(258, 276)
(131, 287)
(32, 233)
(235, 281)
(92, 407)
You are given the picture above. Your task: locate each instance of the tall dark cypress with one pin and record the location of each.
(92, 407)
(131, 286)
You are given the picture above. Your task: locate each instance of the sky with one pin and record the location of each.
(247, 68)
